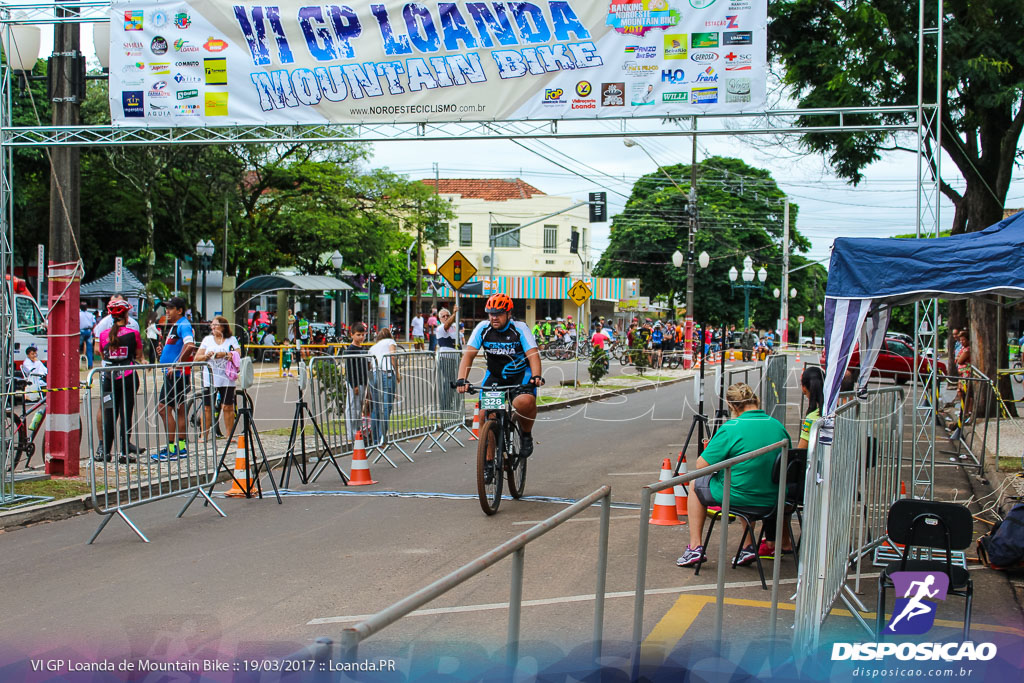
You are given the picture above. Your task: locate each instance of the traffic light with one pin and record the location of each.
(574, 243)
(598, 207)
(457, 270)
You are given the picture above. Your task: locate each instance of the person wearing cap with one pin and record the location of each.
(546, 328)
(104, 325)
(120, 347)
(178, 347)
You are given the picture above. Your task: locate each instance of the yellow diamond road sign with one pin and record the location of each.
(457, 270)
(580, 292)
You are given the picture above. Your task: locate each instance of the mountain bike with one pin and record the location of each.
(23, 428)
(501, 439)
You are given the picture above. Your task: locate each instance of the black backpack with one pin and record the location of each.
(1003, 547)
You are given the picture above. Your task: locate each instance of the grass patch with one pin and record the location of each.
(648, 378)
(54, 488)
(1010, 464)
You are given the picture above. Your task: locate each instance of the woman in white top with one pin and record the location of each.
(383, 384)
(152, 339)
(217, 349)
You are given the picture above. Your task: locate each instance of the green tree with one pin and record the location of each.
(864, 53)
(740, 212)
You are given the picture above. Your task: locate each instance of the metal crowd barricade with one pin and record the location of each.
(752, 375)
(849, 488)
(723, 550)
(975, 389)
(773, 387)
(404, 402)
(451, 409)
(131, 412)
(351, 637)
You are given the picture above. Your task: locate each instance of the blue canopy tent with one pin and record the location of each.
(867, 276)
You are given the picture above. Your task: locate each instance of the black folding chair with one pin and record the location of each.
(928, 524)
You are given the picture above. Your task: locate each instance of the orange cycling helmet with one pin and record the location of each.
(498, 303)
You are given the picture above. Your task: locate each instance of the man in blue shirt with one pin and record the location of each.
(179, 347)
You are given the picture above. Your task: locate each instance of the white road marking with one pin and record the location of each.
(547, 601)
(579, 519)
(632, 474)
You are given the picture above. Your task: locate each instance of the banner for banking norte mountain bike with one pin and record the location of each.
(217, 62)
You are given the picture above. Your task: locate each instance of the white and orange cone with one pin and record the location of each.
(680, 491)
(476, 422)
(664, 512)
(360, 474)
(241, 477)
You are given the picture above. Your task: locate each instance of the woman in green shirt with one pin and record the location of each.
(749, 429)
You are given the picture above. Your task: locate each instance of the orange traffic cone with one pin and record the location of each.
(476, 422)
(680, 491)
(903, 489)
(360, 474)
(664, 512)
(236, 491)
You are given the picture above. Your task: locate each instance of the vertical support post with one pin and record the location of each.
(63, 434)
(723, 556)
(515, 605)
(602, 572)
(784, 295)
(691, 240)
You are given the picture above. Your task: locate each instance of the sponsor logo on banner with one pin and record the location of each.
(216, 104)
(642, 51)
(701, 4)
(132, 21)
(216, 71)
(159, 85)
(131, 102)
(704, 95)
(641, 95)
(737, 90)
(675, 45)
(709, 75)
(730, 21)
(158, 45)
(133, 67)
(182, 45)
(182, 20)
(153, 106)
(584, 103)
(188, 63)
(640, 16)
(634, 70)
(188, 110)
(675, 97)
(739, 5)
(674, 76)
(613, 94)
(187, 94)
(583, 89)
(735, 62)
(159, 68)
(182, 78)
(704, 57)
(157, 94)
(132, 82)
(553, 96)
(159, 18)
(738, 38)
(701, 40)
(132, 48)
(215, 45)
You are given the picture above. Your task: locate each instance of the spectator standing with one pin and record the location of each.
(86, 321)
(179, 347)
(152, 338)
(357, 367)
(219, 349)
(432, 328)
(120, 346)
(546, 328)
(446, 330)
(105, 323)
(749, 429)
(748, 341)
(384, 383)
(657, 342)
(417, 331)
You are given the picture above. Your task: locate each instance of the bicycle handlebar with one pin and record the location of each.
(471, 389)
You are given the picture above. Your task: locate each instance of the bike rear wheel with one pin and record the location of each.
(489, 491)
(16, 428)
(516, 465)
(1016, 366)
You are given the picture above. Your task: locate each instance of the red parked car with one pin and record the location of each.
(894, 361)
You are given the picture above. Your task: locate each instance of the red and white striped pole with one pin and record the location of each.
(63, 426)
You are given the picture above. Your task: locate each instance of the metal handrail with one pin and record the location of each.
(723, 553)
(352, 636)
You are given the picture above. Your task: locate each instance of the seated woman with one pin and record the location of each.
(749, 429)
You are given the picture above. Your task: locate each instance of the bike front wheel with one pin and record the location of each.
(516, 465)
(488, 489)
(1016, 366)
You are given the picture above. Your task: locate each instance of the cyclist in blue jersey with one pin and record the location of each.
(512, 358)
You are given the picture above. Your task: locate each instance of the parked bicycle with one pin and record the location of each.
(26, 423)
(498, 450)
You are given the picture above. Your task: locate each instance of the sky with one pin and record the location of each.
(882, 205)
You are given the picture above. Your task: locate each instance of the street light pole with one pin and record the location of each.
(748, 279)
(338, 261)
